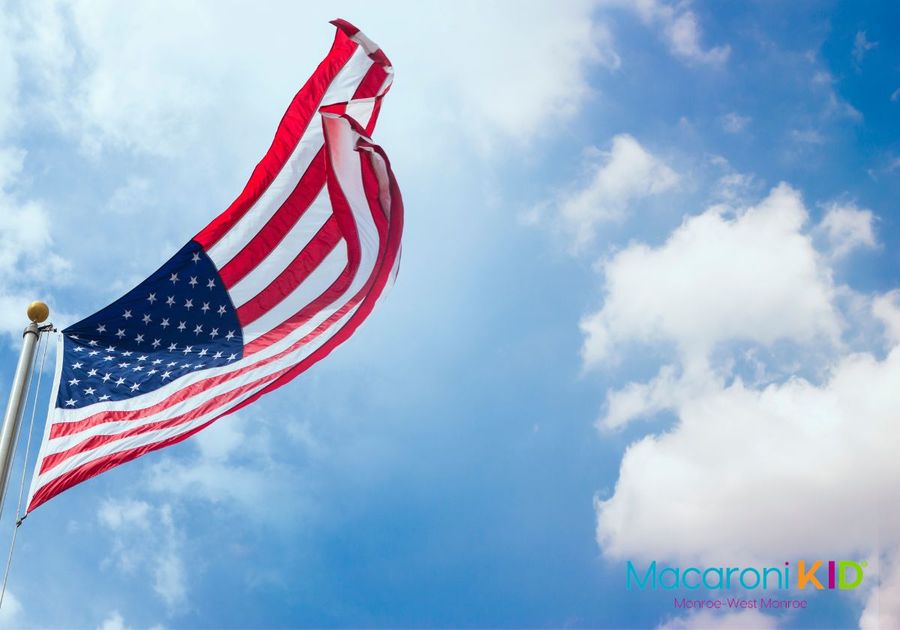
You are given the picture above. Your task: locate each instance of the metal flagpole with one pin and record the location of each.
(38, 312)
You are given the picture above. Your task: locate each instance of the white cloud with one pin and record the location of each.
(28, 262)
(113, 622)
(886, 308)
(626, 173)
(131, 196)
(708, 620)
(755, 277)
(146, 541)
(732, 122)
(882, 608)
(847, 227)
(679, 26)
(167, 91)
(861, 46)
(11, 611)
(740, 459)
(116, 514)
(234, 466)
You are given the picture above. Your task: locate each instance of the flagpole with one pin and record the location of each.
(38, 312)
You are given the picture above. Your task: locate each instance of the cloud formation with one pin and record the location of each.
(754, 277)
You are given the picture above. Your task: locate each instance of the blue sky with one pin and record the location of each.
(648, 309)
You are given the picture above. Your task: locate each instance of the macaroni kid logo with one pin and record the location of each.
(818, 574)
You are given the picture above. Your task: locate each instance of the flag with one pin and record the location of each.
(269, 287)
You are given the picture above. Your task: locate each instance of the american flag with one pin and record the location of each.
(268, 288)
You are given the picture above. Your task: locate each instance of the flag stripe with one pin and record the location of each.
(293, 124)
(299, 269)
(264, 243)
(309, 186)
(301, 236)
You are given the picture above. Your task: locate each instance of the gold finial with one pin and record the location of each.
(38, 312)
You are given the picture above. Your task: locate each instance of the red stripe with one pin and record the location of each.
(54, 459)
(297, 271)
(307, 189)
(344, 216)
(291, 128)
(277, 227)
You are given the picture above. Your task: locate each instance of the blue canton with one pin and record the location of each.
(179, 320)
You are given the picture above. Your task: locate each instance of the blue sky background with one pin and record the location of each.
(453, 464)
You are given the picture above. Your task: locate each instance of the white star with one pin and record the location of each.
(74, 381)
(106, 377)
(214, 333)
(146, 318)
(111, 349)
(186, 365)
(101, 328)
(189, 304)
(76, 365)
(70, 403)
(157, 361)
(104, 397)
(221, 310)
(89, 391)
(217, 355)
(93, 342)
(205, 307)
(193, 281)
(173, 346)
(78, 348)
(138, 368)
(166, 374)
(120, 333)
(229, 335)
(156, 343)
(202, 353)
(127, 353)
(135, 386)
(165, 322)
(93, 353)
(182, 325)
(108, 358)
(127, 314)
(198, 329)
(124, 365)
(173, 278)
(170, 301)
(172, 364)
(92, 372)
(152, 372)
(151, 298)
(211, 283)
(120, 382)
(139, 338)
(195, 257)
(232, 356)
(143, 357)
(74, 336)
(187, 349)
(198, 366)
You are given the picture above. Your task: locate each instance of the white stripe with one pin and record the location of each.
(315, 285)
(341, 89)
(285, 252)
(57, 376)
